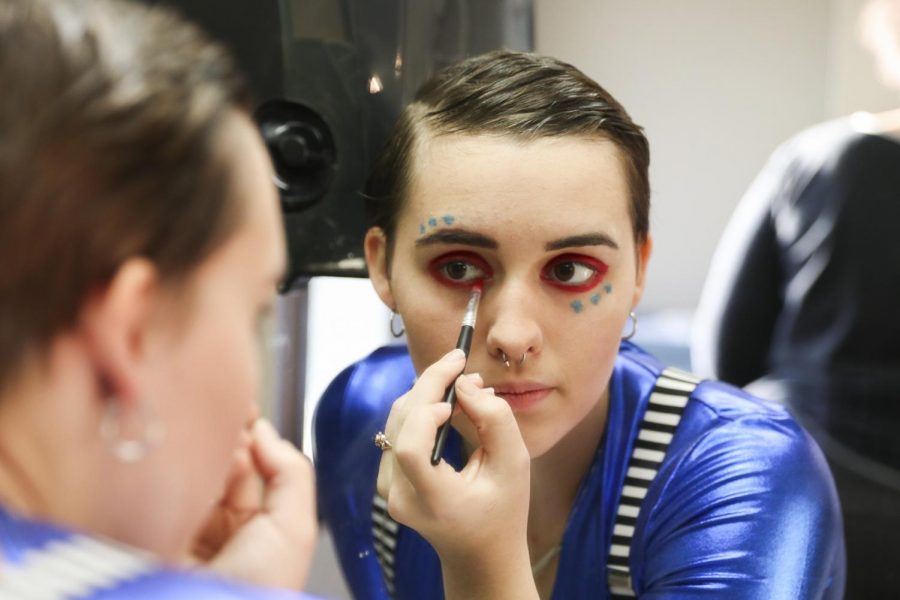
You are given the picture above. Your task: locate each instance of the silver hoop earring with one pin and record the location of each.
(130, 451)
(634, 326)
(503, 358)
(394, 331)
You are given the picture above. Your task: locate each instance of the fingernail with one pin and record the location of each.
(489, 391)
(454, 355)
(475, 377)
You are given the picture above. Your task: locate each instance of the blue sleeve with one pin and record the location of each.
(749, 510)
(352, 409)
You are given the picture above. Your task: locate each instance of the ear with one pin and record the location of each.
(643, 257)
(115, 324)
(376, 246)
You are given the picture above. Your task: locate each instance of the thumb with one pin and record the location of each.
(495, 423)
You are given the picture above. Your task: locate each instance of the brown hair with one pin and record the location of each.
(109, 115)
(519, 94)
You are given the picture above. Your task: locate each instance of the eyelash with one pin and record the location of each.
(438, 266)
(597, 267)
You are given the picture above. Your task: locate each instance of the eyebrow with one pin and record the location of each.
(458, 236)
(587, 239)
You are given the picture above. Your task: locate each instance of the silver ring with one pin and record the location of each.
(504, 358)
(381, 442)
(522, 361)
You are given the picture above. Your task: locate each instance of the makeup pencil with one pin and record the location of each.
(464, 343)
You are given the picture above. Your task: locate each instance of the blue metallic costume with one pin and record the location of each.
(42, 561)
(741, 506)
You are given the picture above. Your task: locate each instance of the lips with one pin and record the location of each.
(522, 395)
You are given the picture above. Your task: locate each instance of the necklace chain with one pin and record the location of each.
(545, 560)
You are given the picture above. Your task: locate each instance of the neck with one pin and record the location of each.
(884, 123)
(556, 475)
(45, 451)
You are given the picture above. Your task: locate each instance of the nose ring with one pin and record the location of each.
(505, 359)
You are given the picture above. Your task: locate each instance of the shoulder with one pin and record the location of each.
(184, 585)
(353, 408)
(48, 560)
(743, 491)
(725, 427)
(360, 397)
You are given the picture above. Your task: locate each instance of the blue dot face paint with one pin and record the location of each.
(608, 288)
(578, 305)
(433, 222)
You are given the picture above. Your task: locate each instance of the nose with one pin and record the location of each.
(514, 333)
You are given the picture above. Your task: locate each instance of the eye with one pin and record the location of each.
(463, 270)
(574, 273)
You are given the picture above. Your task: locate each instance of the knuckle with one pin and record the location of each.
(395, 506)
(404, 453)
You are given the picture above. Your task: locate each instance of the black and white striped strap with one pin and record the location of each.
(667, 401)
(384, 533)
(74, 567)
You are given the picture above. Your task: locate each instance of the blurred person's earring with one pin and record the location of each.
(151, 432)
(634, 326)
(397, 330)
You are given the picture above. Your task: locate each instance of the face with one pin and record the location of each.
(205, 366)
(545, 224)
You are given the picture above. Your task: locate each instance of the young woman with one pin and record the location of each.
(140, 243)
(578, 466)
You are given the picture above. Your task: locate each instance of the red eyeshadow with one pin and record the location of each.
(600, 268)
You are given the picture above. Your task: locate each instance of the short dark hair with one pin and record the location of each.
(109, 116)
(519, 94)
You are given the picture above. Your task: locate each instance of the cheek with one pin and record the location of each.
(432, 316)
(215, 385)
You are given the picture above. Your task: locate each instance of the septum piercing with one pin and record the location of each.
(505, 359)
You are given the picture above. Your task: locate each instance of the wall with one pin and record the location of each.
(717, 86)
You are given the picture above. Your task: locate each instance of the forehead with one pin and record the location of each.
(545, 183)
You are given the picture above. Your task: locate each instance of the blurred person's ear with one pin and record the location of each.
(115, 324)
(376, 247)
(643, 258)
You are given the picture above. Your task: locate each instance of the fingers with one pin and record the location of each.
(412, 450)
(429, 389)
(289, 476)
(495, 423)
(244, 490)
(435, 379)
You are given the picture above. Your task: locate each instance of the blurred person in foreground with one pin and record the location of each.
(800, 305)
(140, 247)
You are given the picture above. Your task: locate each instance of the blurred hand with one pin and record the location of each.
(476, 519)
(263, 531)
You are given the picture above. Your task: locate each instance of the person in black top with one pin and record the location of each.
(800, 304)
